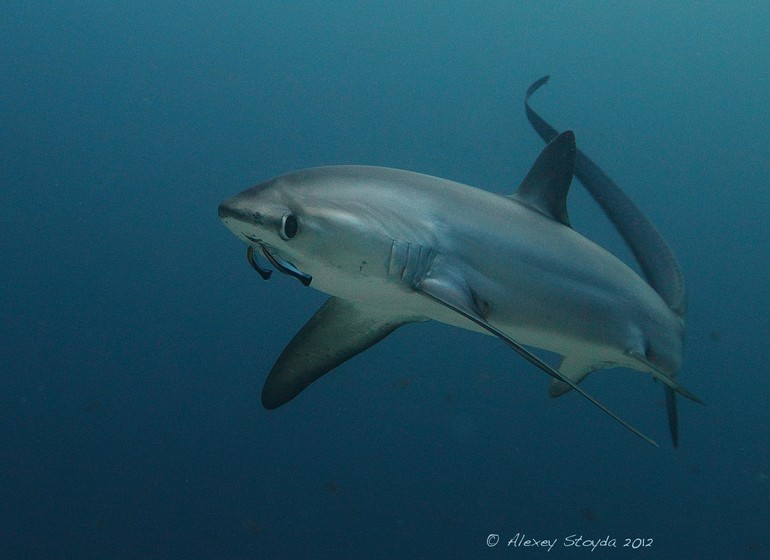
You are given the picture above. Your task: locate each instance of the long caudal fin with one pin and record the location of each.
(656, 259)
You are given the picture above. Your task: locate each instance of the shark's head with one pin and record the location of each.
(322, 225)
(265, 218)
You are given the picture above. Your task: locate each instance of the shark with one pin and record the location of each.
(393, 247)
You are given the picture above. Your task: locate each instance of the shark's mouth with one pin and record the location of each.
(283, 266)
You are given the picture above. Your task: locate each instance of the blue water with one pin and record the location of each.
(136, 338)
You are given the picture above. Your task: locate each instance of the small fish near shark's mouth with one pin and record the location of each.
(281, 265)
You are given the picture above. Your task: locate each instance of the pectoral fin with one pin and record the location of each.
(455, 294)
(338, 331)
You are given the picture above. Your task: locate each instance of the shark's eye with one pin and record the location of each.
(289, 226)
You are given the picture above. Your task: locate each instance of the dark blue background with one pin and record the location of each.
(135, 337)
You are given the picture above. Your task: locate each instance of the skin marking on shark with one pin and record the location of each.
(650, 250)
(393, 247)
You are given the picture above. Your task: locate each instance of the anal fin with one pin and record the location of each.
(577, 370)
(667, 380)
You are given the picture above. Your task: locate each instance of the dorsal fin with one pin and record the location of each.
(546, 185)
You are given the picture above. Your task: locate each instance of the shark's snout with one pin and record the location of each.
(237, 219)
(243, 209)
(229, 210)
(223, 209)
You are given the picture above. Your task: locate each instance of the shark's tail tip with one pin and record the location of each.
(536, 85)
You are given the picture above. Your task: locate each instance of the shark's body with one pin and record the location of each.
(393, 247)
